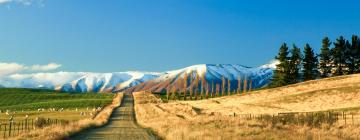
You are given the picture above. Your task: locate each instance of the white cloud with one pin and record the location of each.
(5, 1)
(12, 68)
(24, 2)
(51, 66)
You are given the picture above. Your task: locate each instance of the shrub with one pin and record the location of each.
(41, 122)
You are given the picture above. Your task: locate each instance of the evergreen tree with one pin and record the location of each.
(349, 58)
(294, 65)
(325, 58)
(338, 55)
(356, 45)
(353, 62)
(281, 73)
(310, 71)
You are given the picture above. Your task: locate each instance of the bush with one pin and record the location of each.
(41, 122)
(310, 119)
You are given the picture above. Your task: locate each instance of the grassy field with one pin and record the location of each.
(58, 132)
(213, 118)
(49, 104)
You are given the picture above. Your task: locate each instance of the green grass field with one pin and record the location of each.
(22, 102)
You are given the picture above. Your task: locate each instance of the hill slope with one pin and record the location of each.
(214, 118)
(318, 95)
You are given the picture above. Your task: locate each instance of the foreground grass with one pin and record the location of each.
(213, 118)
(56, 132)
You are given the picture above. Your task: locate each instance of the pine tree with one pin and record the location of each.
(325, 58)
(356, 46)
(352, 53)
(349, 58)
(310, 71)
(338, 55)
(229, 86)
(281, 73)
(294, 65)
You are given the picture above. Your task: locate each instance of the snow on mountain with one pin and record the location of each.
(78, 81)
(107, 82)
(259, 76)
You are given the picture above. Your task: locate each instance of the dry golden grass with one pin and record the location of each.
(57, 132)
(212, 119)
(318, 95)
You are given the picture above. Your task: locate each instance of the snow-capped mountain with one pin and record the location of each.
(138, 81)
(107, 82)
(213, 74)
(78, 81)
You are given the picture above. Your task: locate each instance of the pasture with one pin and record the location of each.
(34, 103)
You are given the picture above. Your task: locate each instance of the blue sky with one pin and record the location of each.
(159, 35)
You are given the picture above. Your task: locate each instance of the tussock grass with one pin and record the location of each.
(214, 119)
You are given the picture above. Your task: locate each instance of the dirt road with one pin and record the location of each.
(122, 125)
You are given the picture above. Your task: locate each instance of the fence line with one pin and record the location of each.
(13, 128)
(302, 118)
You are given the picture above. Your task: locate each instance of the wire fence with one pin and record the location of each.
(314, 119)
(14, 128)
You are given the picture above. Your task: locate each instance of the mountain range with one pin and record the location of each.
(139, 81)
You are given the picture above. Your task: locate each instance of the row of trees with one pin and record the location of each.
(336, 58)
(195, 87)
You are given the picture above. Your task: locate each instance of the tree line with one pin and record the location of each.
(194, 87)
(340, 57)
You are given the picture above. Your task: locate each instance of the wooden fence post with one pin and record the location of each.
(9, 129)
(345, 118)
(5, 131)
(14, 128)
(26, 125)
